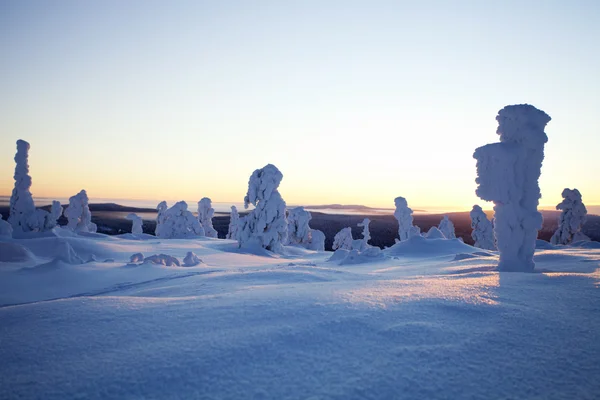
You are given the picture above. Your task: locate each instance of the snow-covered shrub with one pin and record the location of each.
(191, 259)
(317, 240)
(266, 225)
(205, 216)
(483, 230)
(571, 219)
(343, 239)
(366, 234)
(136, 223)
(298, 231)
(78, 213)
(404, 216)
(136, 258)
(447, 228)
(234, 224)
(177, 222)
(507, 174)
(6, 229)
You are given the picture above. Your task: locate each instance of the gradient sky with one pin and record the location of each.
(355, 101)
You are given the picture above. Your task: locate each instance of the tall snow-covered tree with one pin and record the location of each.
(266, 225)
(205, 216)
(78, 214)
(234, 224)
(343, 239)
(177, 222)
(447, 228)
(507, 174)
(571, 219)
(404, 216)
(22, 208)
(483, 230)
(136, 223)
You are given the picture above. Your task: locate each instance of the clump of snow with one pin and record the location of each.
(447, 228)
(234, 224)
(6, 229)
(136, 223)
(266, 225)
(79, 215)
(317, 240)
(14, 252)
(162, 259)
(177, 222)
(191, 259)
(136, 258)
(420, 247)
(483, 230)
(205, 216)
(434, 233)
(343, 239)
(507, 174)
(404, 216)
(414, 231)
(571, 219)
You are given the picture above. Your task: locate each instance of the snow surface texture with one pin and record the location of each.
(176, 222)
(343, 239)
(234, 224)
(405, 219)
(246, 326)
(136, 223)
(205, 216)
(6, 229)
(447, 228)
(78, 214)
(299, 232)
(507, 174)
(571, 219)
(265, 226)
(483, 230)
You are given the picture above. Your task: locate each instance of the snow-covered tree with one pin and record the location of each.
(205, 216)
(571, 219)
(404, 216)
(366, 234)
(234, 224)
(78, 213)
(447, 228)
(507, 174)
(266, 225)
(317, 240)
(483, 230)
(22, 207)
(177, 222)
(136, 223)
(298, 229)
(6, 229)
(343, 239)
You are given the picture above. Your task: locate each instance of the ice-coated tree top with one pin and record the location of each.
(523, 124)
(263, 182)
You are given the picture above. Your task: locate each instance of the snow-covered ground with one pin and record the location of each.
(431, 320)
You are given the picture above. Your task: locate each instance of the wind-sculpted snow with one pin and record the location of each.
(571, 219)
(483, 230)
(177, 222)
(136, 223)
(205, 216)
(405, 219)
(447, 228)
(507, 174)
(78, 214)
(266, 225)
(234, 224)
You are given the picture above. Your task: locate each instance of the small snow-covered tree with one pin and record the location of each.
(78, 214)
(266, 225)
(298, 229)
(205, 216)
(343, 239)
(317, 240)
(22, 207)
(571, 219)
(6, 229)
(404, 216)
(447, 228)
(177, 222)
(483, 230)
(366, 234)
(234, 224)
(136, 223)
(507, 174)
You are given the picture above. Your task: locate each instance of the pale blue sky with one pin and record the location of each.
(355, 102)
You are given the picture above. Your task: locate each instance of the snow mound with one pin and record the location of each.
(434, 233)
(351, 257)
(543, 245)
(191, 259)
(162, 259)
(14, 252)
(418, 246)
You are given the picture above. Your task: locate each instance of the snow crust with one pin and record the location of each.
(571, 219)
(483, 230)
(507, 174)
(205, 216)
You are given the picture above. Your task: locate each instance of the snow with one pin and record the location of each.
(266, 225)
(571, 219)
(6, 229)
(483, 230)
(343, 239)
(177, 222)
(447, 228)
(234, 223)
(428, 318)
(298, 230)
(205, 216)
(78, 213)
(404, 216)
(434, 233)
(22, 207)
(507, 174)
(136, 223)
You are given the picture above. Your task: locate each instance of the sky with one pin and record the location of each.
(356, 102)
